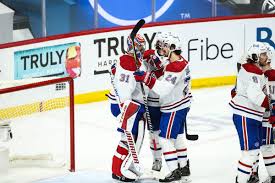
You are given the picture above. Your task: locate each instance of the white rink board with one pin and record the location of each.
(100, 50)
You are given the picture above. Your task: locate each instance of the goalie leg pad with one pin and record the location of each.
(128, 114)
(118, 158)
(128, 169)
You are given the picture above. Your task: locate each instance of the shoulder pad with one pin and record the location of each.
(128, 63)
(270, 74)
(252, 68)
(176, 66)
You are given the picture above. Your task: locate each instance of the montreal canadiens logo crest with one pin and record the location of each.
(115, 12)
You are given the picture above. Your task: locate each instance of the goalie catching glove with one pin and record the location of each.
(145, 77)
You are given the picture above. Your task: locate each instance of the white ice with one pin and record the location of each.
(213, 158)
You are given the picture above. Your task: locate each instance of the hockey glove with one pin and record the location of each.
(233, 92)
(145, 77)
(113, 69)
(155, 62)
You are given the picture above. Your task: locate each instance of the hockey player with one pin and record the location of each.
(153, 60)
(155, 64)
(128, 93)
(267, 148)
(248, 106)
(173, 90)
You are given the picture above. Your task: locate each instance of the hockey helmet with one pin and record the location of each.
(170, 40)
(255, 50)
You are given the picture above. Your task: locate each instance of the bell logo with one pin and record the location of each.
(112, 11)
(264, 34)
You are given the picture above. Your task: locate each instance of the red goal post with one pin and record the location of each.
(37, 84)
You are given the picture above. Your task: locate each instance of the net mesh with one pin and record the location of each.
(40, 123)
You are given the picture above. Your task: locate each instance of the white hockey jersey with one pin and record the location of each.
(174, 87)
(125, 83)
(270, 74)
(250, 100)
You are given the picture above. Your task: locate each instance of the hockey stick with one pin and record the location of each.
(189, 136)
(129, 136)
(132, 36)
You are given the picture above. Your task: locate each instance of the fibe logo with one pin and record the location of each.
(264, 34)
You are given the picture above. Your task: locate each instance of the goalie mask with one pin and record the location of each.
(255, 50)
(139, 43)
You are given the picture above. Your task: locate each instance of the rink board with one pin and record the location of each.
(212, 45)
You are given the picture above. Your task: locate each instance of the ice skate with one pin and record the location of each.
(174, 177)
(117, 178)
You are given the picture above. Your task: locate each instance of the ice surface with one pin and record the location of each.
(213, 158)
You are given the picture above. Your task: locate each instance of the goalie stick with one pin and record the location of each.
(132, 36)
(128, 134)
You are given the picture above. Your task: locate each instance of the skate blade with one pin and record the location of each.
(185, 179)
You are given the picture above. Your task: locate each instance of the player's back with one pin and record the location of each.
(249, 98)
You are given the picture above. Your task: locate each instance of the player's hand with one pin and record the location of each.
(139, 76)
(145, 77)
(233, 92)
(155, 62)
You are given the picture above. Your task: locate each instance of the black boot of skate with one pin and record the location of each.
(254, 179)
(272, 179)
(174, 176)
(185, 171)
(122, 178)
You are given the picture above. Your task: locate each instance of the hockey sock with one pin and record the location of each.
(245, 165)
(268, 152)
(156, 152)
(255, 166)
(181, 150)
(169, 153)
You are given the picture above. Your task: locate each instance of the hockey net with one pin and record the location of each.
(41, 116)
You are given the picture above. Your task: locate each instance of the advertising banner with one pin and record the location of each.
(212, 48)
(49, 61)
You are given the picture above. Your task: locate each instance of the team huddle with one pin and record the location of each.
(151, 89)
(162, 76)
